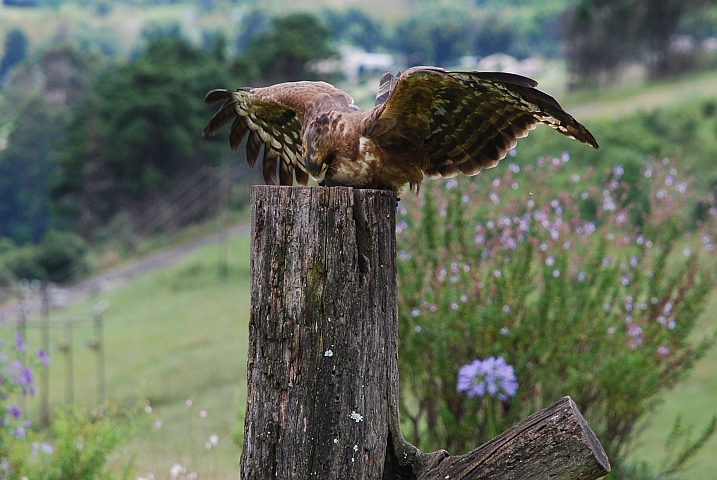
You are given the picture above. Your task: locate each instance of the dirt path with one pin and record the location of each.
(115, 277)
(120, 275)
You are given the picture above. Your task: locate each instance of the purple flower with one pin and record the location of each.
(21, 376)
(19, 342)
(43, 357)
(12, 411)
(492, 375)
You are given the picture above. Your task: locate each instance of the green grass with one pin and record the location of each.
(170, 336)
(695, 399)
(181, 334)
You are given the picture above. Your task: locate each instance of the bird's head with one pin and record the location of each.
(317, 149)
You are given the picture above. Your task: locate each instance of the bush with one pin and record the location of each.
(60, 257)
(79, 444)
(512, 274)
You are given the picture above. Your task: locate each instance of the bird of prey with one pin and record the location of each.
(427, 121)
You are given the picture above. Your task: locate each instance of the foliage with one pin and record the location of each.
(602, 35)
(35, 106)
(25, 168)
(435, 36)
(137, 132)
(284, 52)
(60, 257)
(253, 23)
(688, 130)
(356, 27)
(80, 443)
(590, 303)
(15, 51)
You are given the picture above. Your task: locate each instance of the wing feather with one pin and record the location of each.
(268, 167)
(273, 117)
(253, 146)
(237, 132)
(464, 121)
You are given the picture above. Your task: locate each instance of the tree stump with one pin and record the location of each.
(322, 398)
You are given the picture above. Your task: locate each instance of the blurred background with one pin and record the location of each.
(124, 234)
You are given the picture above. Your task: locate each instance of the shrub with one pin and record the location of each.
(79, 444)
(581, 292)
(59, 258)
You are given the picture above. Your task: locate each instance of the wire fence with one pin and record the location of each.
(69, 342)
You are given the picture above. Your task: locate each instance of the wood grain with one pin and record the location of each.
(322, 395)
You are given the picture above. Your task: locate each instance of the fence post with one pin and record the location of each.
(45, 346)
(97, 345)
(322, 396)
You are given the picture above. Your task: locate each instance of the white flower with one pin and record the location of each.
(176, 470)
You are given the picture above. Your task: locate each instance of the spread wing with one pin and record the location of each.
(273, 118)
(463, 121)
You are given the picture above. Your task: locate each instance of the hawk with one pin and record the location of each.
(426, 122)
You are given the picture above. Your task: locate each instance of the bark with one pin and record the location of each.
(322, 398)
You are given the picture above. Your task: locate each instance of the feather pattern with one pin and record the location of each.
(426, 121)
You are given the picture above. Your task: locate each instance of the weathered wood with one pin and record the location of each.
(322, 398)
(554, 443)
(322, 329)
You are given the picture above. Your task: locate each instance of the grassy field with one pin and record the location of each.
(695, 400)
(170, 336)
(181, 334)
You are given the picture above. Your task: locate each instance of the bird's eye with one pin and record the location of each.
(329, 159)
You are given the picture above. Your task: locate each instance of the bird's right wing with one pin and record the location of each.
(273, 117)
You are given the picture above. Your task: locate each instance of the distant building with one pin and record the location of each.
(353, 62)
(500, 62)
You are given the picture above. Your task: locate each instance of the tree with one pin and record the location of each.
(283, 53)
(37, 100)
(15, 51)
(25, 168)
(254, 23)
(434, 36)
(492, 35)
(138, 131)
(355, 27)
(603, 35)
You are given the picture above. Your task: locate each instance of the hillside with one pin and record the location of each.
(175, 339)
(113, 28)
(179, 333)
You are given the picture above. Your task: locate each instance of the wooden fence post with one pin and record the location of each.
(322, 398)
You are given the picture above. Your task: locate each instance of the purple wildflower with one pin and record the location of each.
(12, 411)
(492, 375)
(19, 342)
(43, 357)
(21, 376)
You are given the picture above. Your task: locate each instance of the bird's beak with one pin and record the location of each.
(321, 178)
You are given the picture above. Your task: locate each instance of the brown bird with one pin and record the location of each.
(427, 121)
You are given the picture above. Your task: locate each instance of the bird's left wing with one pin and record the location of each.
(273, 118)
(462, 121)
